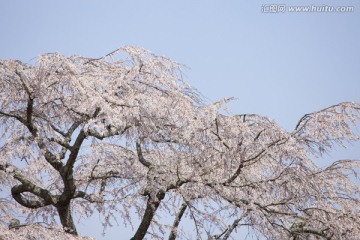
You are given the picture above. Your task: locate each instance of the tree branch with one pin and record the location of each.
(20, 119)
(107, 134)
(74, 151)
(141, 158)
(17, 190)
(231, 229)
(23, 79)
(151, 207)
(27, 186)
(88, 197)
(177, 220)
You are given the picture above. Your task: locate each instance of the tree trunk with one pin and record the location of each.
(66, 219)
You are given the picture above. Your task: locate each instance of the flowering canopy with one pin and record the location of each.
(126, 132)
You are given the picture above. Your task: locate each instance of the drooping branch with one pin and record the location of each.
(17, 191)
(303, 120)
(27, 186)
(333, 125)
(254, 157)
(141, 158)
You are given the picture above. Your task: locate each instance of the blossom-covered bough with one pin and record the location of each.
(125, 133)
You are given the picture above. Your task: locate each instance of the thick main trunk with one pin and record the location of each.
(151, 207)
(66, 219)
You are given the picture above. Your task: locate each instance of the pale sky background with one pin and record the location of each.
(281, 65)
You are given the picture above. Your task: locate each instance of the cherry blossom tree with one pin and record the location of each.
(124, 133)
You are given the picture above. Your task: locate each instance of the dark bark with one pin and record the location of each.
(151, 207)
(17, 191)
(177, 220)
(66, 219)
(142, 160)
(45, 198)
(231, 229)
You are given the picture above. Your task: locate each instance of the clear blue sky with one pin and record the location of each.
(281, 65)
